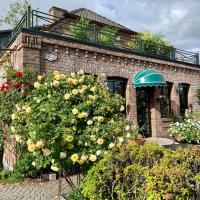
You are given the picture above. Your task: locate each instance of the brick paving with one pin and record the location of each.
(36, 191)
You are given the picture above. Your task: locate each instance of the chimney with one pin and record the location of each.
(57, 13)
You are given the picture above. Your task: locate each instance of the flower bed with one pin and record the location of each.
(187, 130)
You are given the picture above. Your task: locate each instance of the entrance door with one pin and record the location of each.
(143, 110)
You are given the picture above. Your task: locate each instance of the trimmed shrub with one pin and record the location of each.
(144, 172)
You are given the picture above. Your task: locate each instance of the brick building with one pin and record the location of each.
(157, 86)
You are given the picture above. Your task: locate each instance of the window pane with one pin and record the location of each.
(165, 103)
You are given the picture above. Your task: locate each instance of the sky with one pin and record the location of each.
(177, 20)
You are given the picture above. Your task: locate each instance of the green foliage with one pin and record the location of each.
(9, 178)
(144, 172)
(76, 195)
(151, 43)
(188, 130)
(15, 12)
(24, 166)
(108, 35)
(70, 121)
(80, 29)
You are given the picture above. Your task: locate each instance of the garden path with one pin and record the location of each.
(33, 191)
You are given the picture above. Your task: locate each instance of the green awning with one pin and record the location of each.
(148, 78)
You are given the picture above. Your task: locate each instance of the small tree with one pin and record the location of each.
(80, 29)
(151, 43)
(108, 35)
(15, 12)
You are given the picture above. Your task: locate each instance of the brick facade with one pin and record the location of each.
(73, 56)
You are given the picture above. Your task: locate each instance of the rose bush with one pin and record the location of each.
(15, 89)
(70, 120)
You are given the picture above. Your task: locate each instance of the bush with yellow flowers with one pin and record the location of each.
(70, 120)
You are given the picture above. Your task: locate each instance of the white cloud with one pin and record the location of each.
(178, 20)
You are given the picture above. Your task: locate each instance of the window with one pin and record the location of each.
(183, 96)
(165, 103)
(117, 85)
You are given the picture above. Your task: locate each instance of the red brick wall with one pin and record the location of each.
(73, 57)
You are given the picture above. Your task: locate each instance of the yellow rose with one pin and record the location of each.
(29, 141)
(13, 116)
(12, 128)
(70, 138)
(31, 147)
(73, 74)
(93, 137)
(55, 169)
(40, 144)
(62, 76)
(46, 152)
(56, 83)
(100, 119)
(93, 158)
(33, 163)
(84, 87)
(81, 80)
(74, 91)
(80, 142)
(40, 77)
(111, 145)
(75, 111)
(127, 128)
(80, 115)
(67, 96)
(93, 89)
(18, 138)
(100, 141)
(70, 146)
(81, 91)
(89, 122)
(57, 77)
(121, 139)
(98, 153)
(63, 155)
(84, 114)
(84, 158)
(80, 162)
(56, 72)
(28, 109)
(74, 157)
(81, 72)
(37, 85)
(74, 128)
(122, 108)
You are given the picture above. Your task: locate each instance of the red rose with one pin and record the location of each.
(19, 74)
(18, 84)
(7, 87)
(10, 83)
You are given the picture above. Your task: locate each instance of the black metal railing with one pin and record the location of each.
(43, 22)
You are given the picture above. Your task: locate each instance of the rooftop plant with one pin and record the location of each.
(151, 43)
(80, 28)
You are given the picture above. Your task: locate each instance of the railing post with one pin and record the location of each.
(197, 58)
(94, 33)
(173, 53)
(28, 17)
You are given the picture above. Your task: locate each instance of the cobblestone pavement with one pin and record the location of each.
(36, 191)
